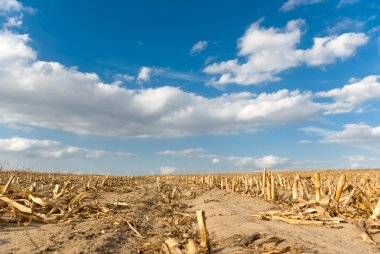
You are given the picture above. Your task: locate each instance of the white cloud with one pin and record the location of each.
(346, 24)
(167, 170)
(15, 21)
(209, 59)
(50, 149)
(358, 161)
(292, 4)
(124, 77)
(9, 5)
(347, 2)
(268, 161)
(17, 144)
(215, 161)
(86, 105)
(353, 96)
(359, 135)
(327, 49)
(167, 73)
(198, 47)
(374, 29)
(361, 161)
(185, 152)
(303, 142)
(312, 130)
(14, 50)
(144, 74)
(240, 162)
(269, 51)
(272, 162)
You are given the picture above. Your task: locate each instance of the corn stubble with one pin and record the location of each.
(325, 198)
(316, 199)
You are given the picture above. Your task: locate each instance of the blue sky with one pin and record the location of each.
(155, 87)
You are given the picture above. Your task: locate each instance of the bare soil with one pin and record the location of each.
(155, 214)
(229, 220)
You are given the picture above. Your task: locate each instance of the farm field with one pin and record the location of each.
(267, 212)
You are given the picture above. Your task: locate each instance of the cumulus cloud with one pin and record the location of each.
(144, 74)
(268, 51)
(359, 161)
(240, 162)
(359, 135)
(167, 170)
(51, 149)
(352, 96)
(36, 93)
(198, 47)
(81, 103)
(293, 4)
(13, 22)
(269, 161)
(9, 5)
(124, 77)
(326, 50)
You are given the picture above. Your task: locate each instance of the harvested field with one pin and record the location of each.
(266, 212)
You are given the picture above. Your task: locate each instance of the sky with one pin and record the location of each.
(181, 87)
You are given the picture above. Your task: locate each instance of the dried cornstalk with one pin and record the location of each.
(300, 188)
(38, 200)
(233, 185)
(104, 180)
(191, 247)
(349, 196)
(33, 187)
(268, 194)
(204, 246)
(295, 188)
(339, 188)
(16, 205)
(55, 191)
(376, 211)
(21, 208)
(280, 181)
(5, 188)
(88, 184)
(329, 187)
(134, 230)
(264, 181)
(272, 189)
(173, 192)
(173, 246)
(317, 186)
(363, 233)
(304, 189)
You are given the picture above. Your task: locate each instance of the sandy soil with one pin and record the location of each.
(157, 218)
(229, 220)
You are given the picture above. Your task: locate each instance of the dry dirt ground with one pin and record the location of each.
(229, 219)
(156, 217)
